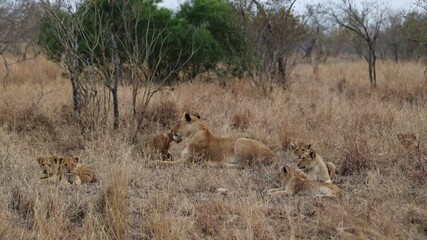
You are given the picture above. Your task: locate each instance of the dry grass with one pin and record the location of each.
(347, 123)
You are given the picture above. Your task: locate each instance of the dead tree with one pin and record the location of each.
(18, 21)
(365, 21)
(67, 28)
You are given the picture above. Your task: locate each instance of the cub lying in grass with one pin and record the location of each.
(51, 167)
(75, 173)
(408, 140)
(158, 145)
(297, 185)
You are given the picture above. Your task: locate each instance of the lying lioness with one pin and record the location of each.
(202, 145)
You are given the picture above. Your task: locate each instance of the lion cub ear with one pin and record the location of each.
(196, 115)
(40, 160)
(413, 137)
(285, 170)
(55, 159)
(77, 159)
(187, 117)
(308, 146)
(292, 146)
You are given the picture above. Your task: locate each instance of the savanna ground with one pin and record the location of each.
(347, 122)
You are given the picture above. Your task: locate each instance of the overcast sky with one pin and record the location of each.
(299, 5)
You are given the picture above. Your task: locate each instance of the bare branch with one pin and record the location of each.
(357, 19)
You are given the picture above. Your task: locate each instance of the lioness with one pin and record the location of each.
(297, 184)
(75, 173)
(312, 163)
(51, 168)
(407, 140)
(202, 145)
(158, 145)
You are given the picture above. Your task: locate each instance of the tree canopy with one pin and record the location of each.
(197, 37)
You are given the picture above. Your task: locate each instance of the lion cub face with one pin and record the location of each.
(70, 164)
(187, 125)
(290, 172)
(407, 140)
(298, 149)
(50, 165)
(158, 145)
(169, 136)
(286, 172)
(307, 160)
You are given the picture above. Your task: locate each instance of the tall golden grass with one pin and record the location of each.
(348, 123)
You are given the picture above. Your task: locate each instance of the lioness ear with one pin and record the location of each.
(312, 154)
(187, 117)
(285, 169)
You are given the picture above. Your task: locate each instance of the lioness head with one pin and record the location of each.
(407, 140)
(69, 163)
(307, 160)
(49, 165)
(298, 149)
(186, 126)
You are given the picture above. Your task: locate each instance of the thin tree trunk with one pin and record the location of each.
(116, 75)
(115, 104)
(374, 69)
(74, 74)
(134, 96)
(373, 66)
(396, 52)
(135, 87)
(371, 63)
(282, 72)
(76, 97)
(370, 69)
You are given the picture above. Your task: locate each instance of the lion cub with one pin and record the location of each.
(75, 173)
(407, 140)
(158, 145)
(312, 163)
(51, 168)
(296, 184)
